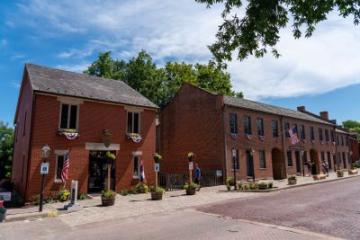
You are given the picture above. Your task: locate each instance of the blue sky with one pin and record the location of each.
(321, 73)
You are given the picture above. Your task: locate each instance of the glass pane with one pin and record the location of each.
(64, 116)
(129, 122)
(73, 117)
(59, 167)
(136, 166)
(136, 123)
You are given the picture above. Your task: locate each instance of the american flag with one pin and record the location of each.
(293, 136)
(65, 169)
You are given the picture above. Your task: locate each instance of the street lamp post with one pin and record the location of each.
(234, 166)
(44, 169)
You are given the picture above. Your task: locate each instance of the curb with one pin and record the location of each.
(23, 217)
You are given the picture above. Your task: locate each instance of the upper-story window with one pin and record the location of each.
(133, 122)
(69, 116)
(302, 131)
(312, 133)
(321, 137)
(275, 128)
(287, 128)
(233, 123)
(332, 136)
(247, 125)
(342, 140)
(260, 126)
(262, 159)
(327, 135)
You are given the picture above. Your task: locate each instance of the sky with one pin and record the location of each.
(322, 72)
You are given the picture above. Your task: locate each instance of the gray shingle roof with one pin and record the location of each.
(262, 107)
(62, 82)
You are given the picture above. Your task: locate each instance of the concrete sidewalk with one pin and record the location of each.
(140, 204)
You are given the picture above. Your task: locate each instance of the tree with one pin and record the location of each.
(352, 125)
(6, 150)
(258, 28)
(161, 84)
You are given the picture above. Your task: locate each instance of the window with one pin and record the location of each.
(321, 137)
(136, 171)
(69, 116)
(287, 128)
(233, 123)
(302, 131)
(312, 133)
(342, 140)
(337, 140)
(262, 159)
(332, 136)
(329, 159)
(323, 156)
(260, 126)
(289, 158)
(237, 158)
(133, 122)
(247, 125)
(327, 135)
(60, 158)
(275, 128)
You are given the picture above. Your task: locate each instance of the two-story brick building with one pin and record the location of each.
(224, 130)
(81, 117)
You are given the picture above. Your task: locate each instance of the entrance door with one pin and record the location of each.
(278, 164)
(298, 162)
(250, 163)
(98, 167)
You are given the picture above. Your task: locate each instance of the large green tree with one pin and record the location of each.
(252, 27)
(352, 125)
(160, 84)
(6, 150)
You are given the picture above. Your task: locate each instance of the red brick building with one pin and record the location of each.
(81, 117)
(224, 130)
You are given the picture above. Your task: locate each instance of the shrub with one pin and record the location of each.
(124, 192)
(157, 189)
(245, 187)
(108, 194)
(262, 185)
(253, 186)
(83, 196)
(190, 186)
(63, 194)
(292, 177)
(35, 199)
(141, 188)
(240, 185)
(157, 158)
(270, 184)
(230, 181)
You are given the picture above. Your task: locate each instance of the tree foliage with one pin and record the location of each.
(6, 150)
(159, 84)
(352, 125)
(257, 30)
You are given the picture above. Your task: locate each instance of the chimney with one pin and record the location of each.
(301, 108)
(324, 115)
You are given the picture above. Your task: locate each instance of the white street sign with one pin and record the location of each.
(191, 165)
(6, 196)
(44, 169)
(157, 167)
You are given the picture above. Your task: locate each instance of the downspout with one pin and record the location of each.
(283, 145)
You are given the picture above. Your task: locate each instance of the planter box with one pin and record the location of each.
(156, 195)
(319, 177)
(190, 191)
(353, 171)
(107, 201)
(340, 173)
(292, 181)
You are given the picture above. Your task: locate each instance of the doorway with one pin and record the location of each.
(98, 171)
(298, 162)
(278, 164)
(250, 163)
(314, 162)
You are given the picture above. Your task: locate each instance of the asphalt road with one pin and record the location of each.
(331, 208)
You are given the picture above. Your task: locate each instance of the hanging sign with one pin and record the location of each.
(191, 165)
(157, 167)
(44, 168)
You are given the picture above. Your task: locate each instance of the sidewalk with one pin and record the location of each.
(140, 204)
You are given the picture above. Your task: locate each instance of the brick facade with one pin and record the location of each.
(199, 121)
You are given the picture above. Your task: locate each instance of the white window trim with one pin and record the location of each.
(59, 153)
(69, 110)
(127, 119)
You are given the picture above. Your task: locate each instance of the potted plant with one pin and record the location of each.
(353, 170)
(141, 188)
(340, 173)
(229, 183)
(262, 185)
(156, 193)
(190, 156)
(190, 188)
(2, 211)
(292, 180)
(108, 197)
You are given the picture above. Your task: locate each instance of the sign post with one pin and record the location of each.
(191, 168)
(157, 170)
(44, 170)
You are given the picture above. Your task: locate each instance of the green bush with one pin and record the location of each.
(141, 188)
(190, 186)
(157, 189)
(262, 185)
(108, 194)
(240, 185)
(230, 181)
(292, 177)
(35, 199)
(253, 186)
(245, 186)
(82, 196)
(63, 194)
(124, 192)
(270, 184)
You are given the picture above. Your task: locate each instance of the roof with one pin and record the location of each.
(262, 107)
(61, 82)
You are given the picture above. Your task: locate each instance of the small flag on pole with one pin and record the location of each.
(65, 169)
(293, 136)
(142, 171)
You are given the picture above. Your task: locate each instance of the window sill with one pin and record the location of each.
(58, 181)
(136, 177)
(262, 168)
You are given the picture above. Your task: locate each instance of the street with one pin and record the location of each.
(312, 212)
(331, 208)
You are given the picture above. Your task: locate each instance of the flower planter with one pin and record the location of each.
(292, 181)
(156, 195)
(340, 174)
(107, 201)
(190, 191)
(2, 214)
(353, 171)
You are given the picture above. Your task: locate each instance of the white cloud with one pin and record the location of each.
(74, 67)
(182, 30)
